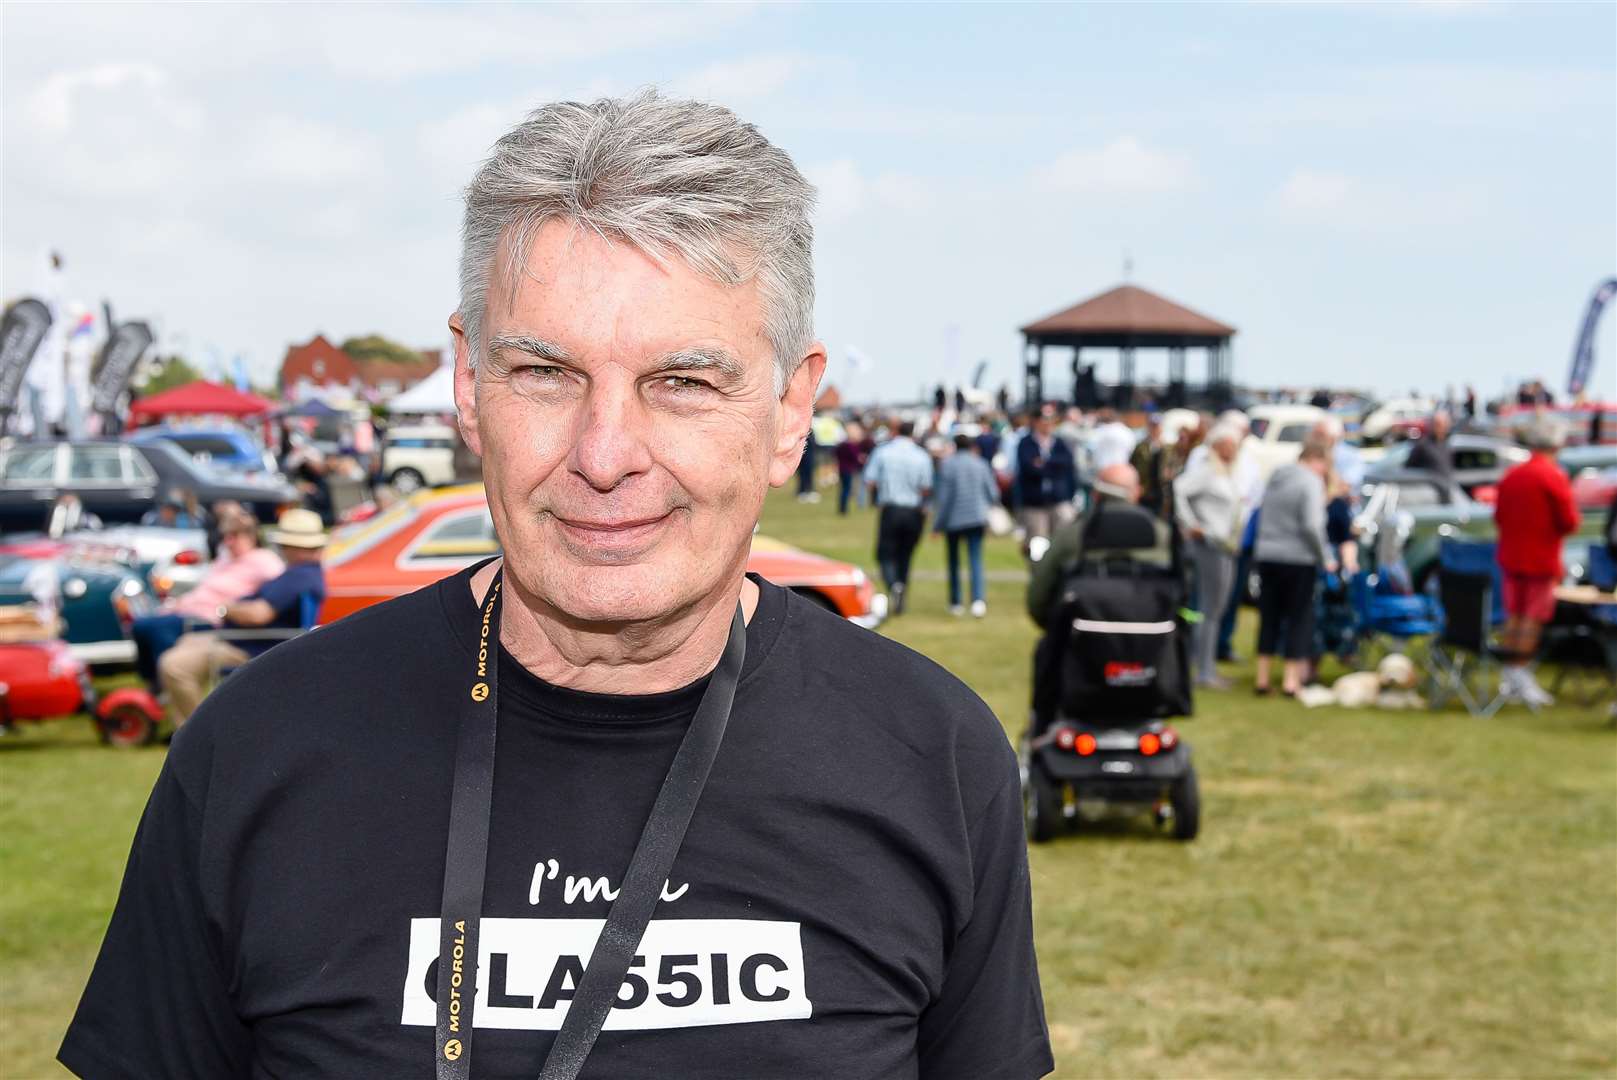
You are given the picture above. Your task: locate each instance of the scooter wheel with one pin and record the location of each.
(126, 725)
(1185, 798)
(1041, 806)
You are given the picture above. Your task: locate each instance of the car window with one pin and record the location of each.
(1411, 496)
(96, 465)
(207, 444)
(137, 470)
(1475, 458)
(456, 537)
(1295, 432)
(1260, 425)
(30, 465)
(416, 442)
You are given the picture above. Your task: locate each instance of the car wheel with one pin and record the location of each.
(1041, 805)
(126, 725)
(1185, 798)
(405, 481)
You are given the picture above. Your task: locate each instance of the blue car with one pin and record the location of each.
(96, 600)
(226, 449)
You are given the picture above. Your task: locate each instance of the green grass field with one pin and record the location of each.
(1373, 894)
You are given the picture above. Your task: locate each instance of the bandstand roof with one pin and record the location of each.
(1127, 315)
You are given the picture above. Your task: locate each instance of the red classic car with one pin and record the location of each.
(434, 533)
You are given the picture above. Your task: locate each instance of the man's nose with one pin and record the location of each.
(611, 438)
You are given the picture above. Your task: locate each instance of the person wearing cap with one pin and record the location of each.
(183, 670)
(1534, 512)
(171, 513)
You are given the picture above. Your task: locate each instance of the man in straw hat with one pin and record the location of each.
(184, 671)
(607, 797)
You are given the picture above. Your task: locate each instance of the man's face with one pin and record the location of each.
(1044, 425)
(628, 424)
(1441, 425)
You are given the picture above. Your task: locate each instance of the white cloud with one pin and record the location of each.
(845, 190)
(1338, 200)
(745, 79)
(1124, 166)
(1308, 192)
(307, 152)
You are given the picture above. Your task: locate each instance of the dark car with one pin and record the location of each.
(1477, 460)
(119, 481)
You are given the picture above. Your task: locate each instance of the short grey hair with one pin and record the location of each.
(1544, 432)
(670, 178)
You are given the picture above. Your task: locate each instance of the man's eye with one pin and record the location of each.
(684, 384)
(545, 373)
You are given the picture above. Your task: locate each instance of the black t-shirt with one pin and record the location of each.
(851, 900)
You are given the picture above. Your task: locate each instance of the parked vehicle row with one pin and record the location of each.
(120, 481)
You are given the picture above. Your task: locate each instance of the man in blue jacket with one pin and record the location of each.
(1046, 478)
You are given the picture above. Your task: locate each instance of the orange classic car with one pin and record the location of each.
(432, 534)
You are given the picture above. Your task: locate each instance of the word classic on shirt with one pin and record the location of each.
(686, 972)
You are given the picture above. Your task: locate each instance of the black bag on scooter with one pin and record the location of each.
(1120, 645)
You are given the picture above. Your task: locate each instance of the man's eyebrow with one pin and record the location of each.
(536, 347)
(701, 359)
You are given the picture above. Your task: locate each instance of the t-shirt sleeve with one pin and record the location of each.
(987, 1023)
(157, 1004)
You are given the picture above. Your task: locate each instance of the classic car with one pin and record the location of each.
(226, 449)
(432, 534)
(97, 600)
(119, 481)
(1278, 432)
(1476, 459)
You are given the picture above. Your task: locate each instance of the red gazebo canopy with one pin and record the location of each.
(198, 399)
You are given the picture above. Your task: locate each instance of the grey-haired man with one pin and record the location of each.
(635, 366)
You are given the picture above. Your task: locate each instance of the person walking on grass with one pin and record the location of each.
(1291, 550)
(965, 493)
(900, 479)
(1206, 500)
(1534, 512)
(852, 453)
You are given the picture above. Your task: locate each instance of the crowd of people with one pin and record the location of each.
(1292, 535)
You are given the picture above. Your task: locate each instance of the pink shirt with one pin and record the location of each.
(227, 581)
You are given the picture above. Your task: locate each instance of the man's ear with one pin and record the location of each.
(465, 387)
(794, 414)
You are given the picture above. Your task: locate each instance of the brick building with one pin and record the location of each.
(319, 368)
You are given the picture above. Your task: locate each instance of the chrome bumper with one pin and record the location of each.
(877, 615)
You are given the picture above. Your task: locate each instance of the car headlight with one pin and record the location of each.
(74, 587)
(130, 588)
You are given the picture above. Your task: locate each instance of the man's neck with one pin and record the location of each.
(633, 658)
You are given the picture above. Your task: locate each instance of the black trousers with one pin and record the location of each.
(1286, 610)
(898, 531)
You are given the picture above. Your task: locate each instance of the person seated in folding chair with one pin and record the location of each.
(1534, 511)
(284, 603)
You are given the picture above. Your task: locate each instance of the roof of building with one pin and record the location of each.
(1127, 311)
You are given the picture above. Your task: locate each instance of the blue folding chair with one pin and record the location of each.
(1389, 619)
(1464, 664)
(246, 638)
(1583, 639)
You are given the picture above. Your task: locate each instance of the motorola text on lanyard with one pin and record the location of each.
(466, 859)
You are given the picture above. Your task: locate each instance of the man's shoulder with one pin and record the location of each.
(858, 674)
(360, 657)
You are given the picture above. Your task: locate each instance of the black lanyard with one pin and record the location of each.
(466, 860)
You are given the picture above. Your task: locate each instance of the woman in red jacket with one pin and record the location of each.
(1534, 512)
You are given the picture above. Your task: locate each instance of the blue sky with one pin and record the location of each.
(1386, 195)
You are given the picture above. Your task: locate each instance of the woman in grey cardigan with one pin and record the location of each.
(1207, 504)
(966, 491)
(1290, 552)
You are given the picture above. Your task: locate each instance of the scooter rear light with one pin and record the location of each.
(188, 558)
(1064, 738)
(1150, 743)
(1084, 744)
